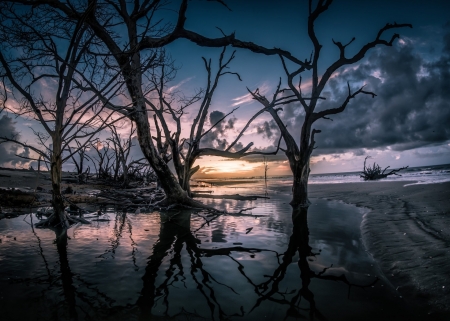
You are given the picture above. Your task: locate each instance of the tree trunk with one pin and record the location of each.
(59, 217)
(184, 183)
(170, 185)
(125, 172)
(185, 179)
(300, 170)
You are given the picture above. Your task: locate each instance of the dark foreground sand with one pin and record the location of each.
(408, 233)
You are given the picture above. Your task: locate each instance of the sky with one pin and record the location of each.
(407, 123)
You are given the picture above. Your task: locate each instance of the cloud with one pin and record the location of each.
(411, 109)
(441, 151)
(248, 98)
(216, 138)
(241, 100)
(268, 129)
(8, 151)
(175, 87)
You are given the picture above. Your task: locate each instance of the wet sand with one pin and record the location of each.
(408, 232)
(36, 190)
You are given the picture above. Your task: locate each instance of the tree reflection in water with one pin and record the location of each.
(66, 273)
(179, 264)
(298, 243)
(175, 233)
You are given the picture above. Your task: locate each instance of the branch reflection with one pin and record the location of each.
(175, 235)
(184, 278)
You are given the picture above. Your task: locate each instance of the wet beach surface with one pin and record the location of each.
(185, 265)
(408, 232)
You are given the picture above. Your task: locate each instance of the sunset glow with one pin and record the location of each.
(218, 167)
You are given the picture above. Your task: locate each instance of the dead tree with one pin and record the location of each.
(136, 51)
(185, 151)
(103, 159)
(80, 150)
(30, 58)
(373, 173)
(299, 154)
(122, 148)
(266, 168)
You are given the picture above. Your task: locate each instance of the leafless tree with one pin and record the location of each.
(81, 149)
(122, 148)
(43, 61)
(299, 154)
(103, 159)
(266, 168)
(185, 151)
(134, 52)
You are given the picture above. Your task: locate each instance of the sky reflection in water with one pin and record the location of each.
(193, 266)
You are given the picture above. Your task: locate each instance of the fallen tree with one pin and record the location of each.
(373, 173)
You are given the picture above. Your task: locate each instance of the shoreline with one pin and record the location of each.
(407, 231)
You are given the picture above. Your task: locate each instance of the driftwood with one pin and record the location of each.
(69, 218)
(133, 198)
(375, 172)
(232, 197)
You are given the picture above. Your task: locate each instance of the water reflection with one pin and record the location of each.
(175, 236)
(66, 273)
(299, 244)
(196, 265)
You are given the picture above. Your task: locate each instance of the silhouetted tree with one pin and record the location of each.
(34, 54)
(185, 151)
(103, 159)
(134, 52)
(299, 154)
(122, 148)
(80, 150)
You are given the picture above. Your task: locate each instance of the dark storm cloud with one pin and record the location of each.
(411, 109)
(8, 151)
(214, 138)
(268, 129)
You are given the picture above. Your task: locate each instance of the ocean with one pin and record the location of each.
(412, 175)
(417, 175)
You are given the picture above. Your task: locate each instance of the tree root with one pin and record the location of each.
(68, 221)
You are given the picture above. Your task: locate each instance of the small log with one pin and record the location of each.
(232, 197)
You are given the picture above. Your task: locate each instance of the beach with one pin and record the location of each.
(405, 227)
(407, 231)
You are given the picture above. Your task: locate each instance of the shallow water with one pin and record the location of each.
(267, 263)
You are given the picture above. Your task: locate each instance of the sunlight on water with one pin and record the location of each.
(196, 265)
